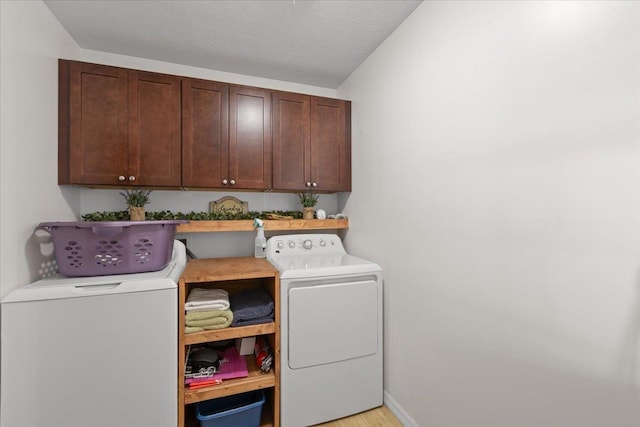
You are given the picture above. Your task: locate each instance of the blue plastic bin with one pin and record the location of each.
(243, 409)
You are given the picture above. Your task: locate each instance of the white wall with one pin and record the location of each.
(31, 42)
(496, 154)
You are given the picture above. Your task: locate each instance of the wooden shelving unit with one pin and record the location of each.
(233, 275)
(269, 225)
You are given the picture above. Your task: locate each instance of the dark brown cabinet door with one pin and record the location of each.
(291, 144)
(330, 145)
(95, 107)
(154, 130)
(311, 143)
(205, 134)
(249, 138)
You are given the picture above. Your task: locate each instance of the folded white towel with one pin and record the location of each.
(209, 299)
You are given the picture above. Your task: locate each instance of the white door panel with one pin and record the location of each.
(332, 322)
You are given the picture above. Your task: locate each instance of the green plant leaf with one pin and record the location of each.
(136, 197)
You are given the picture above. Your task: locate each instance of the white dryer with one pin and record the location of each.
(331, 329)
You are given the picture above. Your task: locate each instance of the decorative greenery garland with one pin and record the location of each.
(192, 216)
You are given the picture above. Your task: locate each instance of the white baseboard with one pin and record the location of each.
(398, 411)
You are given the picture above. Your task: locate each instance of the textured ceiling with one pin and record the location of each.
(304, 41)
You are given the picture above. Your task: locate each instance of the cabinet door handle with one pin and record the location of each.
(232, 182)
(314, 184)
(308, 184)
(121, 178)
(225, 182)
(132, 178)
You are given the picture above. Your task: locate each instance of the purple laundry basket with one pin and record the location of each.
(118, 247)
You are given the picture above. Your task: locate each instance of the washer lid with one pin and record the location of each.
(62, 287)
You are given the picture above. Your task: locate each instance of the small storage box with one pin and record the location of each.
(246, 345)
(88, 248)
(243, 409)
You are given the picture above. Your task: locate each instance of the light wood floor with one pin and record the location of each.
(378, 417)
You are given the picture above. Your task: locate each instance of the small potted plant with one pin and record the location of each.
(308, 201)
(136, 200)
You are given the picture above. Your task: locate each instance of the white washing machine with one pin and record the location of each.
(331, 329)
(92, 351)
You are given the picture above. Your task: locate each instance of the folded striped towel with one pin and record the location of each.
(207, 299)
(208, 318)
(221, 319)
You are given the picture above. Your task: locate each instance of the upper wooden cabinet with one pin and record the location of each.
(226, 136)
(330, 144)
(249, 138)
(118, 127)
(121, 127)
(311, 143)
(205, 133)
(291, 141)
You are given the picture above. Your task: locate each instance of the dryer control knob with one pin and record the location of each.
(307, 244)
(323, 243)
(292, 244)
(280, 245)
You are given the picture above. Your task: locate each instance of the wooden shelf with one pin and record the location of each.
(233, 268)
(269, 225)
(229, 333)
(255, 381)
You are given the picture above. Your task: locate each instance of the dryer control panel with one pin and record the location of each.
(305, 244)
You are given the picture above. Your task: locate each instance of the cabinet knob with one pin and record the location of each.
(132, 178)
(232, 182)
(225, 182)
(121, 178)
(314, 184)
(308, 184)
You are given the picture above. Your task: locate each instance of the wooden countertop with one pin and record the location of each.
(210, 269)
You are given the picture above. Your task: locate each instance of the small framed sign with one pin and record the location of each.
(229, 204)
